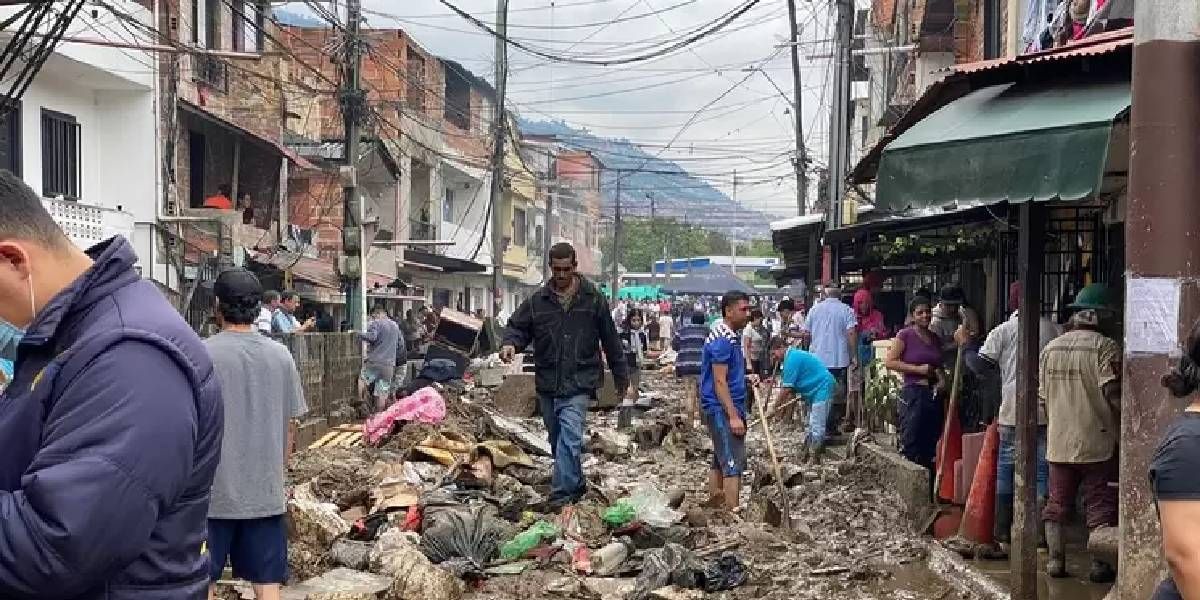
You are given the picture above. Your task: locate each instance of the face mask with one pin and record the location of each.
(10, 336)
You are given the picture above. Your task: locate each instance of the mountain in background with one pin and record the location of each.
(296, 19)
(676, 194)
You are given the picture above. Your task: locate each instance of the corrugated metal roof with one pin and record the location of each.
(1096, 45)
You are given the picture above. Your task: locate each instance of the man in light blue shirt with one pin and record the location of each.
(804, 375)
(832, 330)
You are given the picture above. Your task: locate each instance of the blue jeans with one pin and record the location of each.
(1007, 458)
(564, 421)
(818, 419)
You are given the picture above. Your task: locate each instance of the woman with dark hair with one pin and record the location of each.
(1176, 487)
(916, 353)
(635, 340)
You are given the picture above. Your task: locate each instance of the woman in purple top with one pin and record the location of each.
(916, 353)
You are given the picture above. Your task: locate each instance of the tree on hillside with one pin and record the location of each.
(643, 241)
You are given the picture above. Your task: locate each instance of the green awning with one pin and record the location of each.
(1009, 142)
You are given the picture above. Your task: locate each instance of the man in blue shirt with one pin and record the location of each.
(723, 399)
(804, 375)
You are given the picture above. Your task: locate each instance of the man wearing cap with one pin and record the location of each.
(1080, 387)
(263, 397)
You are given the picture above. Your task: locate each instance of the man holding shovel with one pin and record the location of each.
(804, 375)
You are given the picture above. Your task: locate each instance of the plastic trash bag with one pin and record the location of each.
(528, 540)
(653, 506)
(465, 537)
(619, 514)
(725, 573)
(670, 565)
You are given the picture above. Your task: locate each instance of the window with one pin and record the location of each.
(60, 155)
(457, 107)
(415, 97)
(520, 231)
(248, 21)
(212, 20)
(195, 23)
(10, 139)
(448, 206)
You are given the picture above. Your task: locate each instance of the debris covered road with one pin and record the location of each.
(450, 510)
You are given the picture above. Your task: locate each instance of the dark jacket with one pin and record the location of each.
(565, 342)
(111, 433)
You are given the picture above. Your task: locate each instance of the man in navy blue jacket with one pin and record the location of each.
(111, 428)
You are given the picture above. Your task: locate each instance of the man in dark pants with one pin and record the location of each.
(566, 322)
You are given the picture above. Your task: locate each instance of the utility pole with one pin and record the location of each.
(548, 233)
(798, 113)
(653, 269)
(499, 130)
(616, 261)
(1159, 255)
(839, 121)
(353, 106)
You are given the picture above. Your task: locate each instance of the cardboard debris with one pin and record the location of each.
(393, 494)
(344, 436)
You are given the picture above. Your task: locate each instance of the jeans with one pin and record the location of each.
(564, 419)
(818, 419)
(920, 424)
(1007, 458)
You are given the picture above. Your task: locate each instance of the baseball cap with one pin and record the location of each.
(237, 286)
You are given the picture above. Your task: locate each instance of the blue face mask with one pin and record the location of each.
(10, 336)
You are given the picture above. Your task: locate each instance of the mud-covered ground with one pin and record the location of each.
(849, 540)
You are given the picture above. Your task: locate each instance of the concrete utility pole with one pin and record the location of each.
(548, 233)
(353, 106)
(616, 261)
(1030, 258)
(1162, 261)
(499, 131)
(650, 197)
(839, 125)
(797, 112)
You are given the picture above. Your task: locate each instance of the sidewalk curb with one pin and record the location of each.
(962, 576)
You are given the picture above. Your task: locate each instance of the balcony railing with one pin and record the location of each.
(87, 225)
(211, 72)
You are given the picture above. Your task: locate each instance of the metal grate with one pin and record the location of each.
(60, 155)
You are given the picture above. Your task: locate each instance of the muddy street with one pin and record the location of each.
(440, 510)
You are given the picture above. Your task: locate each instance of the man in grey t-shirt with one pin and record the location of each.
(262, 396)
(379, 361)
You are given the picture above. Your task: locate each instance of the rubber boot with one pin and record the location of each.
(625, 416)
(1041, 506)
(817, 452)
(1002, 531)
(1057, 565)
(805, 454)
(1102, 572)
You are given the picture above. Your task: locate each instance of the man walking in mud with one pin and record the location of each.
(566, 322)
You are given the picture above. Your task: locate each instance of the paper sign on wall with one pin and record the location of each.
(1152, 316)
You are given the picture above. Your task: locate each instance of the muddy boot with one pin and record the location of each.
(816, 454)
(625, 416)
(804, 454)
(1057, 565)
(1102, 572)
(1041, 506)
(1004, 519)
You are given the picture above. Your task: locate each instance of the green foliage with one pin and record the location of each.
(642, 243)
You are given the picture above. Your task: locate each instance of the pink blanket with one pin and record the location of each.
(425, 405)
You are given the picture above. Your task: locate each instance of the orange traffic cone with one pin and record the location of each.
(950, 450)
(980, 515)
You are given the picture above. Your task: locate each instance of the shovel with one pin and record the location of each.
(786, 507)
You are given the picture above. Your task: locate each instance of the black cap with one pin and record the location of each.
(786, 304)
(952, 294)
(237, 286)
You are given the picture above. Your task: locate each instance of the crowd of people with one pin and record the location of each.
(178, 445)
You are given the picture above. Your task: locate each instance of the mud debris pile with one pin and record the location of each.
(457, 509)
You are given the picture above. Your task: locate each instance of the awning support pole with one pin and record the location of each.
(1024, 534)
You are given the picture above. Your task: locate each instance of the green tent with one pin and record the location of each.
(635, 292)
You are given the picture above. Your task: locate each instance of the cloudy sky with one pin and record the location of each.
(739, 120)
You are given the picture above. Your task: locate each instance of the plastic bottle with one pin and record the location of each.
(607, 560)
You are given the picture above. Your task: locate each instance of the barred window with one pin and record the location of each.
(60, 155)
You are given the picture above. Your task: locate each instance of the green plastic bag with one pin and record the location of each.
(528, 540)
(619, 514)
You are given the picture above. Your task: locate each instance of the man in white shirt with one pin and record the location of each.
(270, 302)
(999, 353)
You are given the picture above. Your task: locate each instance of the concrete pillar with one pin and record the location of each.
(1161, 229)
